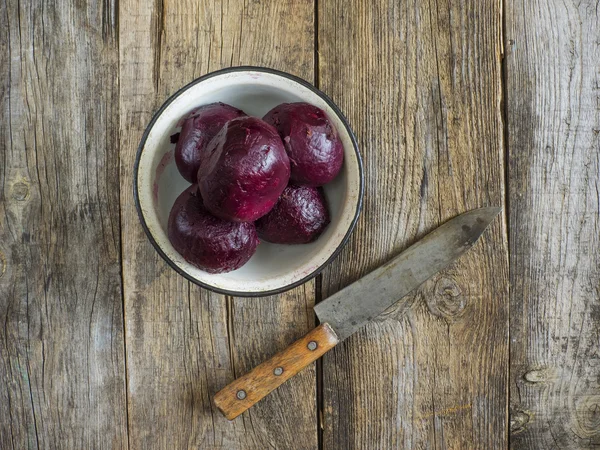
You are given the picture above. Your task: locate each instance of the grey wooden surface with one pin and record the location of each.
(553, 111)
(455, 105)
(62, 368)
(185, 343)
(423, 93)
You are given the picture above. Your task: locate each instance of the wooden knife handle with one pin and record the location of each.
(238, 396)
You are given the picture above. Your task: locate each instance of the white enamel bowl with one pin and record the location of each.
(157, 183)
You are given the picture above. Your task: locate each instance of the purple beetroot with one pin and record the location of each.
(311, 142)
(245, 171)
(198, 128)
(299, 217)
(209, 243)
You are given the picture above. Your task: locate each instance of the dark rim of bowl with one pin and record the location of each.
(298, 80)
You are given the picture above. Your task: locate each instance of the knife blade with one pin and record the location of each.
(347, 311)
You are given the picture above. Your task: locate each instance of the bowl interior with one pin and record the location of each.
(273, 267)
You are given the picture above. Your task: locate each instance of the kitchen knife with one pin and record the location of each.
(350, 309)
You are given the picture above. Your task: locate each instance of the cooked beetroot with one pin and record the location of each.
(299, 217)
(197, 129)
(311, 141)
(245, 171)
(209, 243)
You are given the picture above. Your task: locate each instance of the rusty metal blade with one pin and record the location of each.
(351, 308)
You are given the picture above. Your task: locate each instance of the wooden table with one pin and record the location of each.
(456, 105)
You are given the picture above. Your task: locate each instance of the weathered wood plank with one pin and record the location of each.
(553, 109)
(62, 371)
(184, 343)
(421, 85)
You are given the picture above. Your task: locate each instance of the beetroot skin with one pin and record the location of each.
(311, 142)
(299, 217)
(209, 243)
(198, 128)
(245, 171)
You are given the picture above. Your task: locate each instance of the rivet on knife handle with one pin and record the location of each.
(238, 396)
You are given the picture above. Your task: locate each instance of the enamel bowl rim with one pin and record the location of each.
(180, 92)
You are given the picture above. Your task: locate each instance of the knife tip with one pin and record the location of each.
(491, 211)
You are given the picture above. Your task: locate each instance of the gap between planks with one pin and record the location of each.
(319, 278)
(504, 121)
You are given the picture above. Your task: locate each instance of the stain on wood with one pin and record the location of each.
(183, 343)
(62, 370)
(421, 85)
(553, 119)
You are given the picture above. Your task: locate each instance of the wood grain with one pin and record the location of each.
(62, 371)
(243, 393)
(184, 343)
(421, 85)
(553, 110)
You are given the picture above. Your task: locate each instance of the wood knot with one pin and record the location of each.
(20, 191)
(2, 264)
(519, 420)
(447, 300)
(587, 410)
(542, 375)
